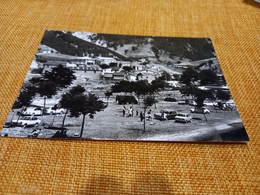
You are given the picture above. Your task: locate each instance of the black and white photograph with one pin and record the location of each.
(94, 86)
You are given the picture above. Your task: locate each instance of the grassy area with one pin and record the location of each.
(110, 124)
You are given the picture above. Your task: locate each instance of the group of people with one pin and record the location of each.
(130, 113)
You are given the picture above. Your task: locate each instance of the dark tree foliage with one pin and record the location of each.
(158, 85)
(60, 75)
(86, 104)
(202, 95)
(141, 87)
(165, 76)
(45, 88)
(188, 90)
(155, 51)
(25, 96)
(123, 86)
(78, 103)
(189, 76)
(48, 85)
(149, 101)
(222, 95)
(208, 77)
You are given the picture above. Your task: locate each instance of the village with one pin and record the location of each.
(173, 114)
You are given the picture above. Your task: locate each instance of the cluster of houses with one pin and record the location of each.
(107, 68)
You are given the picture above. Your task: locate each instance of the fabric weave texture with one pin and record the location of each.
(37, 166)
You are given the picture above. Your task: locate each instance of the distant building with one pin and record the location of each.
(105, 60)
(118, 76)
(183, 65)
(146, 76)
(131, 77)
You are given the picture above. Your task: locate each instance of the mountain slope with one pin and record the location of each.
(66, 43)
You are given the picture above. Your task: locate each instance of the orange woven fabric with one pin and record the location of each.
(35, 166)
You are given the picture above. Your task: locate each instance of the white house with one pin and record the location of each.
(105, 60)
(146, 76)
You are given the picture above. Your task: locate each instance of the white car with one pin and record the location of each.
(183, 117)
(202, 110)
(27, 121)
(192, 103)
(32, 111)
(53, 111)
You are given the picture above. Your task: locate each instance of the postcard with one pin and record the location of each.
(94, 86)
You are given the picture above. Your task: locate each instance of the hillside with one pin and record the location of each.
(168, 49)
(66, 43)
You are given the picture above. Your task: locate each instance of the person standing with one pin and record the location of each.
(130, 111)
(124, 110)
(141, 116)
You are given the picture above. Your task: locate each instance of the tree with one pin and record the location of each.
(189, 90)
(61, 76)
(44, 88)
(208, 77)
(123, 86)
(210, 62)
(147, 102)
(141, 88)
(25, 96)
(165, 76)
(78, 103)
(47, 85)
(108, 94)
(158, 84)
(86, 104)
(222, 95)
(189, 76)
(201, 96)
(68, 99)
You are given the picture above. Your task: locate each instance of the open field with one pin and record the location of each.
(111, 125)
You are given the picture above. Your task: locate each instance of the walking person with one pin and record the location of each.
(149, 115)
(141, 116)
(124, 110)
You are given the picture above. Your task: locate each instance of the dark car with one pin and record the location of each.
(170, 99)
(124, 99)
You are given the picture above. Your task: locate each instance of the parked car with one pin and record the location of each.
(170, 99)
(192, 103)
(183, 117)
(124, 99)
(181, 102)
(52, 111)
(202, 110)
(165, 115)
(27, 121)
(36, 111)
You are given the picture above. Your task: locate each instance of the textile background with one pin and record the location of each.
(37, 166)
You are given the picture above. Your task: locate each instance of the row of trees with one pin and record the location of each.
(190, 78)
(141, 88)
(47, 85)
(75, 101)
